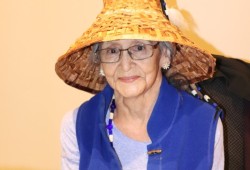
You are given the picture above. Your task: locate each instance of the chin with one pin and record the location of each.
(129, 92)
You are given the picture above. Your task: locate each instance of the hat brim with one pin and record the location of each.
(76, 68)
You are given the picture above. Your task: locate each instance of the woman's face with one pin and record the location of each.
(131, 78)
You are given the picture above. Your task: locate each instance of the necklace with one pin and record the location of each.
(200, 94)
(109, 127)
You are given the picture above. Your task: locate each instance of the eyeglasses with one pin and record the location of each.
(136, 52)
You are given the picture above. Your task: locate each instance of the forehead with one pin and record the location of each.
(125, 43)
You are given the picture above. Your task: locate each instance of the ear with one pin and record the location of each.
(101, 72)
(165, 56)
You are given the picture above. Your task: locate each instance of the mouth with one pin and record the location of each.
(128, 79)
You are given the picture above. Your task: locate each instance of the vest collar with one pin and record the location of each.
(164, 112)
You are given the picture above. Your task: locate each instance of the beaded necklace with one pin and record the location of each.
(197, 92)
(110, 121)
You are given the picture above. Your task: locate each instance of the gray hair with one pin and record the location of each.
(170, 46)
(93, 56)
(176, 79)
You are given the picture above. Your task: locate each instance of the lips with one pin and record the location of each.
(128, 79)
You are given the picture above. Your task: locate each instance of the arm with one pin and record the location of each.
(70, 152)
(218, 161)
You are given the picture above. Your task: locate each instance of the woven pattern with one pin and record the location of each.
(79, 71)
(233, 123)
(131, 19)
(191, 63)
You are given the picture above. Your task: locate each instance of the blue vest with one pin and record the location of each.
(181, 126)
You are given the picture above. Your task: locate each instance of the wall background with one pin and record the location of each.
(33, 33)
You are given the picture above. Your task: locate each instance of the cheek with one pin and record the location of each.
(110, 72)
(146, 70)
(152, 69)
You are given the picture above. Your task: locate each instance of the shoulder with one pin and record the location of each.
(87, 108)
(95, 107)
(92, 103)
(195, 103)
(198, 109)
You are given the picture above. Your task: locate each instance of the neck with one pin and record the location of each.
(132, 114)
(132, 110)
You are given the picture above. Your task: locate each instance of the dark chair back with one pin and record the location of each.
(230, 88)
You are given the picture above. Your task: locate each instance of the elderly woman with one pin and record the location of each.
(143, 116)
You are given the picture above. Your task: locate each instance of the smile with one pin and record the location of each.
(129, 79)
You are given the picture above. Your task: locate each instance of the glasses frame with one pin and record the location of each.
(127, 49)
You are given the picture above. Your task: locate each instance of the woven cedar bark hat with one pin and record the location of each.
(131, 19)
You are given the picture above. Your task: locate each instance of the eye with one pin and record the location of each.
(112, 51)
(138, 48)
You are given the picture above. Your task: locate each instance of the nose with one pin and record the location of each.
(125, 60)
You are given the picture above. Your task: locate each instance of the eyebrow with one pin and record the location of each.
(108, 43)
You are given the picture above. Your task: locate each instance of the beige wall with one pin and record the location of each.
(222, 27)
(33, 33)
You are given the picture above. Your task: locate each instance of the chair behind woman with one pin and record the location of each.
(230, 88)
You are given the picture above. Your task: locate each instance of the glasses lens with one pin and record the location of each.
(142, 51)
(136, 52)
(109, 55)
